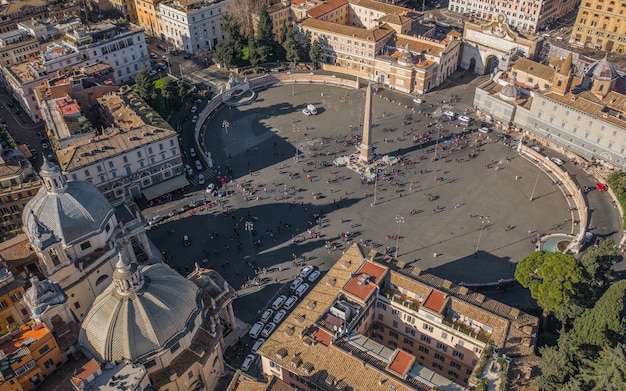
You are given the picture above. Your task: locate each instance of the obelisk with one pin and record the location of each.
(366, 153)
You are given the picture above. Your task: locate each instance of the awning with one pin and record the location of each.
(165, 187)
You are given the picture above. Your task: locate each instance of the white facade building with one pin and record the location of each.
(124, 48)
(194, 26)
(522, 15)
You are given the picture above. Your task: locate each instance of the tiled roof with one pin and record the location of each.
(85, 371)
(402, 362)
(380, 6)
(534, 68)
(435, 301)
(365, 280)
(16, 249)
(373, 35)
(325, 8)
(394, 19)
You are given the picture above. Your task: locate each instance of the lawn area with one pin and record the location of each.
(160, 106)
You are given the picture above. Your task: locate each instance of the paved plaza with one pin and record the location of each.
(460, 218)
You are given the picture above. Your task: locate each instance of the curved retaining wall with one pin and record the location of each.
(545, 164)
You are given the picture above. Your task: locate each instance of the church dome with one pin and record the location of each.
(602, 70)
(68, 210)
(146, 310)
(510, 91)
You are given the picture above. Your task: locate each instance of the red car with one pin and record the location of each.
(601, 186)
(220, 180)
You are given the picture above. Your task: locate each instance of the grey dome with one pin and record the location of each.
(510, 91)
(139, 320)
(68, 210)
(602, 70)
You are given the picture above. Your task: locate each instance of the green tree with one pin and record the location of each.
(144, 85)
(292, 46)
(170, 92)
(551, 278)
(253, 51)
(598, 262)
(264, 36)
(228, 52)
(315, 52)
(305, 46)
(283, 32)
(607, 372)
(557, 368)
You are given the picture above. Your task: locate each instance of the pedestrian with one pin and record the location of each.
(516, 177)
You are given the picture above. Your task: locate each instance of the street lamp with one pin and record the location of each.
(225, 125)
(483, 221)
(399, 221)
(375, 186)
(296, 130)
(250, 227)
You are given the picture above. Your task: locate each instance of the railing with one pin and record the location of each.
(395, 296)
(482, 335)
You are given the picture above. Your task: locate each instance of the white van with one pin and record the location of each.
(484, 130)
(256, 330)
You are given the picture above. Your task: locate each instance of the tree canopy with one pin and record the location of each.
(551, 278)
(144, 86)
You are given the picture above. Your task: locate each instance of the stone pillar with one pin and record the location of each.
(231, 316)
(366, 153)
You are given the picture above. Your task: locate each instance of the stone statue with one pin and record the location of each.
(232, 81)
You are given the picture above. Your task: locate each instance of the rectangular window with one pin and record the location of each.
(423, 349)
(441, 346)
(444, 335)
(393, 334)
(440, 357)
(395, 324)
(44, 349)
(85, 245)
(458, 354)
(428, 327)
(425, 338)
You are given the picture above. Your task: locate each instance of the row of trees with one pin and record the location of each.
(251, 44)
(585, 298)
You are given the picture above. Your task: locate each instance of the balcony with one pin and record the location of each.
(395, 296)
(482, 335)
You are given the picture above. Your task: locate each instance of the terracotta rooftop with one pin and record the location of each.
(435, 301)
(16, 343)
(325, 8)
(365, 281)
(85, 371)
(402, 363)
(379, 6)
(534, 68)
(373, 35)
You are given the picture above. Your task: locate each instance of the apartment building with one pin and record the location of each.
(17, 46)
(121, 46)
(531, 16)
(30, 354)
(138, 152)
(584, 116)
(194, 25)
(148, 17)
(13, 314)
(372, 322)
(376, 41)
(18, 182)
(13, 12)
(601, 25)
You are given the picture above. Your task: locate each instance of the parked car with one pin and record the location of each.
(194, 109)
(279, 301)
(257, 345)
(194, 119)
(186, 241)
(302, 289)
(314, 276)
(201, 179)
(418, 101)
(450, 114)
(255, 330)
(296, 283)
(198, 165)
(484, 130)
(266, 315)
(248, 361)
(154, 220)
(220, 180)
(311, 109)
(164, 58)
(268, 329)
(291, 301)
(279, 316)
(189, 170)
(153, 56)
(210, 188)
(304, 273)
(556, 161)
(306, 112)
(45, 145)
(153, 72)
(192, 152)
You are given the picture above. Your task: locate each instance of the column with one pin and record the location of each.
(231, 316)
(145, 242)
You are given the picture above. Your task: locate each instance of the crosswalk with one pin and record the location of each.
(204, 76)
(209, 174)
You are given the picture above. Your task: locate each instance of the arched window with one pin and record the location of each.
(102, 279)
